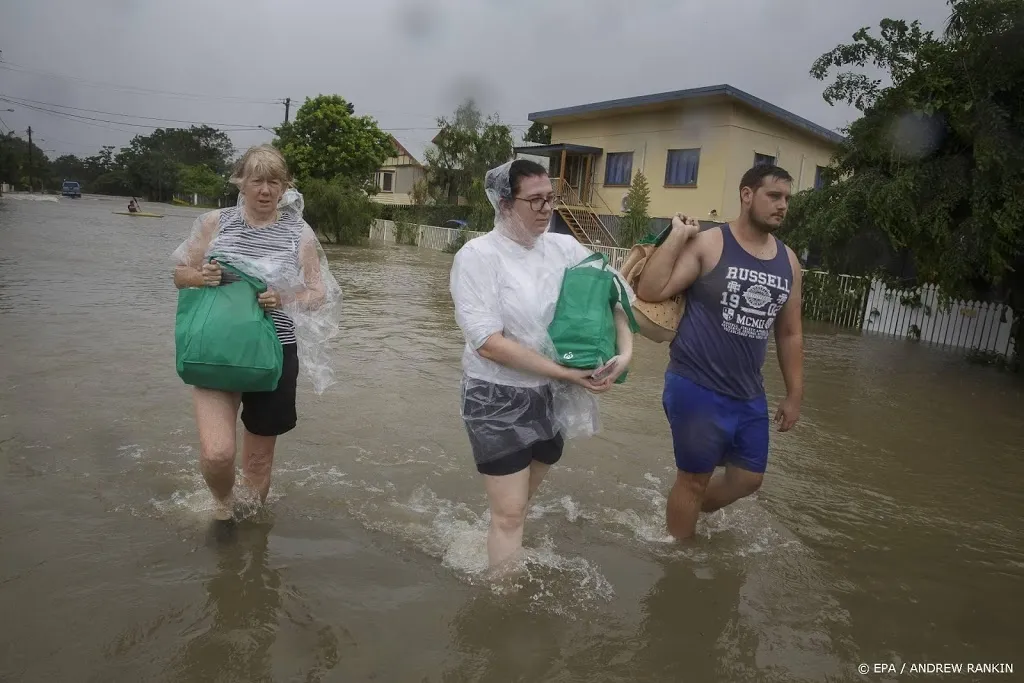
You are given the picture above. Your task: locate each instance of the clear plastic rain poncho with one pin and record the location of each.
(512, 286)
(298, 272)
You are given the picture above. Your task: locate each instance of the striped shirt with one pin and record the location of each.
(275, 246)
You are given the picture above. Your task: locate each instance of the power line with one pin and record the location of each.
(67, 117)
(373, 112)
(88, 119)
(40, 106)
(228, 127)
(50, 138)
(26, 102)
(396, 130)
(12, 98)
(135, 90)
(131, 89)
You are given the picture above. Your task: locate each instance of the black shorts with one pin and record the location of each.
(272, 413)
(510, 427)
(548, 452)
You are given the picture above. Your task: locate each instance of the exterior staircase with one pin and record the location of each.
(583, 221)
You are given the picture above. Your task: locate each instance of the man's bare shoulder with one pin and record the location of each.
(794, 260)
(708, 240)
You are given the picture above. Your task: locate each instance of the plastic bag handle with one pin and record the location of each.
(596, 256)
(255, 282)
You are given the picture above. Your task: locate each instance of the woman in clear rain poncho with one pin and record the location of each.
(518, 405)
(265, 237)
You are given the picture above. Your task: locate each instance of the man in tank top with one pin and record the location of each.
(741, 282)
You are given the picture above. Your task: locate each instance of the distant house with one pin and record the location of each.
(396, 178)
(693, 146)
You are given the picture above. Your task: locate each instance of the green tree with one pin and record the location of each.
(201, 180)
(465, 147)
(148, 169)
(150, 165)
(86, 170)
(932, 170)
(538, 133)
(338, 212)
(114, 182)
(103, 175)
(18, 163)
(420, 193)
(635, 220)
(101, 163)
(328, 141)
(69, 167)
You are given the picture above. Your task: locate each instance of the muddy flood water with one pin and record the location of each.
(888, 530)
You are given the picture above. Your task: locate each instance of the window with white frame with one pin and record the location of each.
(386, 181)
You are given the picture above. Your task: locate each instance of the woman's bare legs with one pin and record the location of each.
(216, 414)
(509, 495)
(257, 461)
(538, 471)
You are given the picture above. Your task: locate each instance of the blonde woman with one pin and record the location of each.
(266, 238)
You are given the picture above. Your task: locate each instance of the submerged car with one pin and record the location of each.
(71, 189)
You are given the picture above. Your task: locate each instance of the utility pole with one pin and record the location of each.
(287, 106)
(31, 184)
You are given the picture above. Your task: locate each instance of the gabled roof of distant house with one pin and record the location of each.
(402, 149)
(726, 91)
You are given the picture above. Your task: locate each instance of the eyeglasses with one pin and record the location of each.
(537, 203)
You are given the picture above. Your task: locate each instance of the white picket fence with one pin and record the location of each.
(427, 236)
(201, 200)
(616, 255)
(916, 314)
(844, 306)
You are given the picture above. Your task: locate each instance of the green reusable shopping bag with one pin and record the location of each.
(224, 340)
(583, 327)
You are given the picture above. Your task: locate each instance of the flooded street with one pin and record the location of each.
(888, 529)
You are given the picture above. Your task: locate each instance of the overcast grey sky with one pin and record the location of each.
(404, 61)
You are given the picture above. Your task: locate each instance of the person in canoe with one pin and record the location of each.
(133, 206)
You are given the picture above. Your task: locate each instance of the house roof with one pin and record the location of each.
(548, 150)
(727, 91)
(402, 149)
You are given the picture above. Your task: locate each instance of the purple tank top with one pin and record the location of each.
(723, 335)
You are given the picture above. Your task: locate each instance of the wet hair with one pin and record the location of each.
(262, 161)
(754, 178)
(522, 168)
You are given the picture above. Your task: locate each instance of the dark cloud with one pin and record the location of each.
(407, 61)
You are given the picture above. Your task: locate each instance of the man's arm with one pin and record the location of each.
(673, 266)
(789, 345)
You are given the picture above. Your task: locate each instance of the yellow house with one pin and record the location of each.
(396, 178)
(692, 145)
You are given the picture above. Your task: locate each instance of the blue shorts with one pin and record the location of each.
(710, 429)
